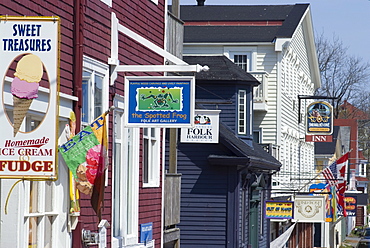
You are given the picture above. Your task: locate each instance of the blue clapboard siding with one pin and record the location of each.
(220, 92)
(204, 218)
(210, 212)
(227, 91)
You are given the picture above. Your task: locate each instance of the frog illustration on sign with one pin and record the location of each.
(161, 100)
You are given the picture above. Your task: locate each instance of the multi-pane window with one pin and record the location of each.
(242, 112)
(245, 57)
(241, 60)
(40, 214)
(151, 157)
(92, 84)
(44, 206)
(93, 90)
(125, 183)
(362, 169)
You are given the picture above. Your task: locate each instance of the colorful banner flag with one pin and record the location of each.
(335, 175)
(86, 156)
(68, 132)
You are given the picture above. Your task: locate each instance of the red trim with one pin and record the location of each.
(234, 23)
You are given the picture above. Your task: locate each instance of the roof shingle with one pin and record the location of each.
(290, 15)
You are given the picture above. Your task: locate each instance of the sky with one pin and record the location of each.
(348, 20)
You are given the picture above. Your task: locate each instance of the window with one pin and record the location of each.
(362, 170)
(94, 81)
(242, 112)
(44, 212)
(125, 183)
(151, 160)
(245, 57)
(257, 136)
(40, 214)
(242, 61)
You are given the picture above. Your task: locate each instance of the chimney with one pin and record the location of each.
(201, 2)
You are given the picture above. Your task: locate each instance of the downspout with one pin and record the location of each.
(78, 20)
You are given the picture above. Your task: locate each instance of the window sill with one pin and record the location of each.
(150, 185)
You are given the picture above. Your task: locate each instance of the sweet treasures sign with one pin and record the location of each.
(29, 53)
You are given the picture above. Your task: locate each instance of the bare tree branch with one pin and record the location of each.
(342, 76)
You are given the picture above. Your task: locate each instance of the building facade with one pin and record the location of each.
(224, 184)
(276, 44)
(92, 45)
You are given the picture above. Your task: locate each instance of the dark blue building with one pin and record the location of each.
(224, 185)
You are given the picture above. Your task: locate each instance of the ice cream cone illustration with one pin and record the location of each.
(25, 86)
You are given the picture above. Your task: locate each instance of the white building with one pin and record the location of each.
(276, 44)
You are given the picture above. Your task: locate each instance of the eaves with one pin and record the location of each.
(229, 43)
(251, 162)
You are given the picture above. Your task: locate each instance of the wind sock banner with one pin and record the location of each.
(86, 154)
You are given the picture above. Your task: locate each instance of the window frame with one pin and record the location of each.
(125, 173)
(259, 133)
(250, 52)
(151, 163)
(95, 68)
(244, 131)
(50, 207)
(362, 169)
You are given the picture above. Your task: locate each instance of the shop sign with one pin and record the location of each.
(319, 138)
(309, 209)
(159, 101)
(205, 130)
(279, 209)
(146, 232)
(351, 206)
(319, 118)
(361, 198)
(29, 52)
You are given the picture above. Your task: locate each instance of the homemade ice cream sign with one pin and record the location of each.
(159, 101)
(29, 52)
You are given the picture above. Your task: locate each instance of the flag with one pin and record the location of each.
(328, 203)
(68, 132)
(334, 202)
(86, 156)
(335, 175)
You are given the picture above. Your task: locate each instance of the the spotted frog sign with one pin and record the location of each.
(159, 101)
